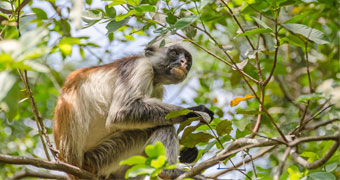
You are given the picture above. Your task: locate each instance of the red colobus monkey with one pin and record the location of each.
(108, 113)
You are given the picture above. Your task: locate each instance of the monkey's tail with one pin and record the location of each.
(188, 155)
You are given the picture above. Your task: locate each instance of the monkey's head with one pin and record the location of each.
(171, 64)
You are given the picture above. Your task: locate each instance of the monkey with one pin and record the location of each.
(107, 113)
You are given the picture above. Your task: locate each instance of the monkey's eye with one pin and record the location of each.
(173, 53)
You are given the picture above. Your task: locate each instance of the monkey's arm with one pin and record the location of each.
(144, 113)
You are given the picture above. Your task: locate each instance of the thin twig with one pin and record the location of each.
(286, 93)
(310, 119)
(307, 65)
(241, 163)
(238, 23)
(315, 126)
(38, 119)
(276, 51)
(282, 164)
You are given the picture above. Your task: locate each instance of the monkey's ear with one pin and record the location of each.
(149, 51)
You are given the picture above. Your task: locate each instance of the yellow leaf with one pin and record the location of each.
(215, 100)
(237, 100)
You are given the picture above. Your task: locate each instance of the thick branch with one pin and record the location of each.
(297, 158)
(38, 174)
(59, 166)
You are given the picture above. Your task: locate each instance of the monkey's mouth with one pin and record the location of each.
(179, 72)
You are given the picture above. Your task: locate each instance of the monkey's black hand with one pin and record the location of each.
(201, 108)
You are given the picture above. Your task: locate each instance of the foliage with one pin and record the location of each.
(285, 53)
(151, 165)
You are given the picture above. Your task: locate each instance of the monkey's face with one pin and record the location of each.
(171, 64)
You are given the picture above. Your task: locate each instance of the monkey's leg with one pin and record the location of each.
(167, 135)
(105, 157)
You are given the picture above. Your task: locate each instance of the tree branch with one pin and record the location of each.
(6, 11)
(38, 174)
(238, 23)
(317, 125)
(59, 166)
(297, 158)
(241, 163)
(282, 164)
(247, 143)
(38, 119)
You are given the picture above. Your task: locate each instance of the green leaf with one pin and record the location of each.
(298, 17)
(189, 130)
(89, 2)
(204, 3)
(162, 44)
(146, 8)
(331, 167)
(304, 98)
(110, 11)
(123, 16)
(224, 127)
(190, 32)
(185, 124)
(66, 49)
(156, 150)
(114, 25)
(171, 18)
(174, 114)
(321, 176)
(40, 13)
(133, 160)
(159, 162)
(37, 66)
(7, 80)
(192, 139)
(310, 155)
(186, 21)
(261, 23)
(308, 32)
(140, 169)
(72, 41)
(91, 16)
(293, 40)
(34, 53)
(255, 31)
(82, 53)
(172, 166)
(117, 2)
(133, 2)
(5, 5)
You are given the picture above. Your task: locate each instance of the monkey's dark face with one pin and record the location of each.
(171, 64)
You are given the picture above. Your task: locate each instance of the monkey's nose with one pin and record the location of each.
(183, 62)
